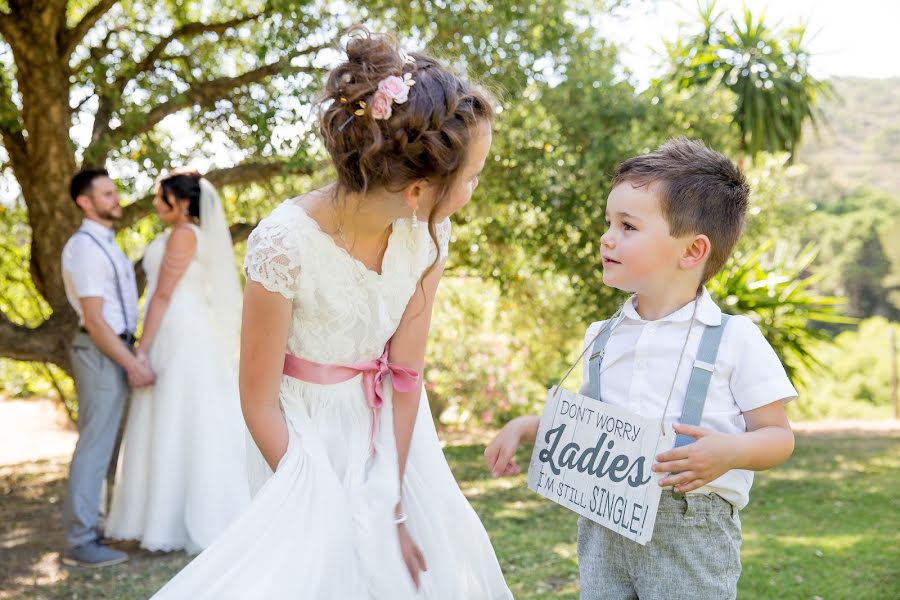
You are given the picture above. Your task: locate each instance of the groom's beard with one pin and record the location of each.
(109, 214)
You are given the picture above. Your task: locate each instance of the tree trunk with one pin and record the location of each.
(43, 162)
(43, 80)
(35, 133)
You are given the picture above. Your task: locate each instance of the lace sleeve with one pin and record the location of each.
(443, 236)
(273, 257)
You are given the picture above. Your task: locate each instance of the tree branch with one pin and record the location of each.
(241, 231)
(202, 93)
(11, 131)
(249, 172)
(11, 126)
(100, 51)
(73, 36)
(186, 30)
(48, 341)
(207, 92)
(9, 31)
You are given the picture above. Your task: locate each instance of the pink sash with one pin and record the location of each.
(373, 371)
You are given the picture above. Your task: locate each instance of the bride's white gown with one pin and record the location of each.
(322, 526)
(181, 478)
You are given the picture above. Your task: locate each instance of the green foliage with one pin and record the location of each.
(859, 234)
(21, 302)
(768, 285)
(766, 68)
(854, 378)
(492, 357)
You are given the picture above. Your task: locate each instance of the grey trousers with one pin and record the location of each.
(695, 553)
(102, 389)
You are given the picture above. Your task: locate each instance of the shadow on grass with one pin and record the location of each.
(31, 538)
(826, 524)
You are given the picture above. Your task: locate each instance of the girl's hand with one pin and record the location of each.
(412, 556)
(694, 465)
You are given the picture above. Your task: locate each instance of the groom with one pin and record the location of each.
(100, 285)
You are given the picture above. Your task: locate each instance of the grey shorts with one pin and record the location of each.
(695, 553)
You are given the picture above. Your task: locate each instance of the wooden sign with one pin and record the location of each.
(595, 459)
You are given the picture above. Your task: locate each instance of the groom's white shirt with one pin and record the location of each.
(87, 272)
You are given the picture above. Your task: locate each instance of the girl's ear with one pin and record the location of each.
(417, 194)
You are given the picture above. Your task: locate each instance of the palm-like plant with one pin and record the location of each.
(766, 67)
(770, 286)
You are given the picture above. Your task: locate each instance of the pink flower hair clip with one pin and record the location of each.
(391, 90)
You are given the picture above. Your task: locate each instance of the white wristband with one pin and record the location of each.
(401, 519)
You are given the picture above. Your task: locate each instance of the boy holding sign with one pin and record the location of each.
(673, 218)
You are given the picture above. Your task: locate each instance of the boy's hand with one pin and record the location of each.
(694, 465)
(500, 453)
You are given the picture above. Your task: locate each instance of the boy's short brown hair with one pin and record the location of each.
(700, 190)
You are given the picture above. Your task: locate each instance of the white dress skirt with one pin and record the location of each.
(180, 480)
(322, 525)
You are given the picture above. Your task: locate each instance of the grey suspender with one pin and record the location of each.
(701, 374)
(118, 283)
(698, 384)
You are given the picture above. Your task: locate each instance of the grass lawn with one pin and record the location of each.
(825, 525)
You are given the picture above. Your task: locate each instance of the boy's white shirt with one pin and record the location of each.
(640, 361)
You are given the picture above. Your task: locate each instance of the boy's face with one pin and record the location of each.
(639, 254)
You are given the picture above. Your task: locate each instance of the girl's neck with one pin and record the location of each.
(359, 217)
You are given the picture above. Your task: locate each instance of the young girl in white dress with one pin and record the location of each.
(181, 478)
(356, 500)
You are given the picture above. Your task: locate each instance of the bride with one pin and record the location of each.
(182, 477)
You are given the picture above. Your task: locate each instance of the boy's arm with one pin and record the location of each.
(767, 443)
(500, 453)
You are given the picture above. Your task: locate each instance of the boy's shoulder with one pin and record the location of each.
(740, 330)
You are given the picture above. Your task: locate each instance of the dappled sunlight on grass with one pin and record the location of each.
(565, 550)
(819, 545)
(826, 524)
(476, 487)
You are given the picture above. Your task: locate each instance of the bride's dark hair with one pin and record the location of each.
(426, 137)
(182, 186)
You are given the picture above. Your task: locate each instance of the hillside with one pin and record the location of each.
(859, 142)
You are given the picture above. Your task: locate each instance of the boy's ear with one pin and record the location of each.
(695, 253)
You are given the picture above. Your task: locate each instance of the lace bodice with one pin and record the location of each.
(193, 279)
(343, 312)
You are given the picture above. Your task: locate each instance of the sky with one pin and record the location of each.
(846, 37)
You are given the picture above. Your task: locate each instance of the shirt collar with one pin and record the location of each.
(95, 228)
(708, 312)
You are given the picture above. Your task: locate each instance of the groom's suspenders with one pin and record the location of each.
(128, 330)
(698, 384)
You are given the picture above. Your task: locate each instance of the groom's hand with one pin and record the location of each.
(140, 374)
